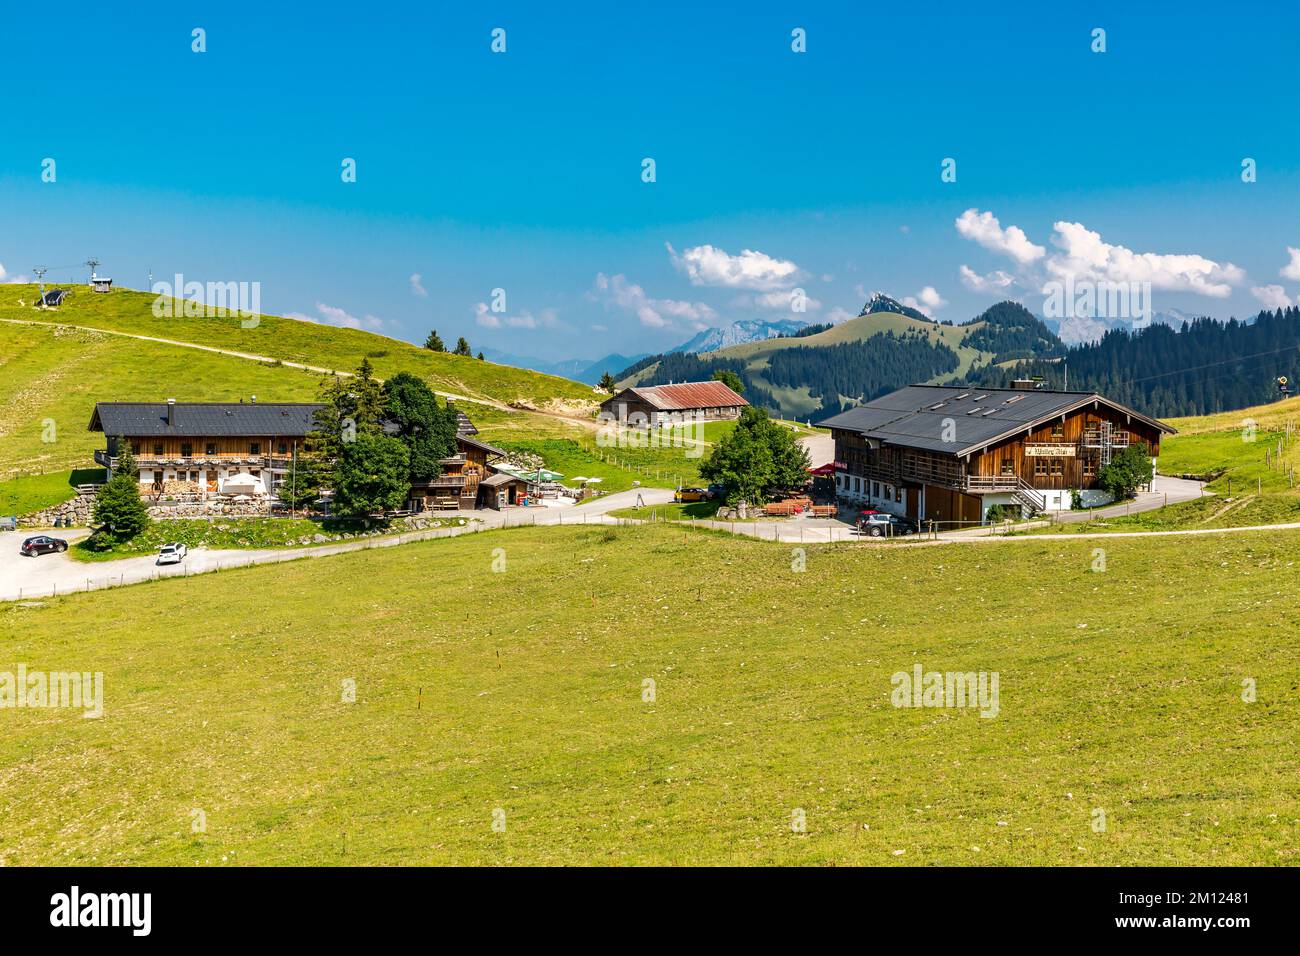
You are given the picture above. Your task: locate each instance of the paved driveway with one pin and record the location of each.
(52, 574)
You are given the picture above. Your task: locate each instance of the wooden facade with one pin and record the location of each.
(660, 405)
(201, 465)
(458, 485)
(1040, 466)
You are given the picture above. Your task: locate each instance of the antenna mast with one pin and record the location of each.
(40, 277)
(93, 263)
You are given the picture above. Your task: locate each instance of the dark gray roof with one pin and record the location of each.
(482, 445)
(200, 419)
(914, 417)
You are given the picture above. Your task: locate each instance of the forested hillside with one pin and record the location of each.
(1206, 367)
(861, 371)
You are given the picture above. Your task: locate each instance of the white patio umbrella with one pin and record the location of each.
(243, 484)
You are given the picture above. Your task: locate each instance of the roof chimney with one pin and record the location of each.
(171, 411)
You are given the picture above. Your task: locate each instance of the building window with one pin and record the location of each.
(284, 448)
(254, 447)
(898, 493)
(1040, 467)
(875, 489)
(1058, 430)
(1008, 466)
(210, 448)
(157, 449)
(135, 448)
(187, 450)
(857, 486)
(1058, 467)
(1089, 468)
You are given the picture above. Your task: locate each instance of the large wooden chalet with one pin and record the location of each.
(205, 448)
(656, 406)
(200, 450)
(949, 453)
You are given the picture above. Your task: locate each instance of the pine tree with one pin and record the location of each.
(607, 383)
(462, 347)
(434, 342)
(119, 510)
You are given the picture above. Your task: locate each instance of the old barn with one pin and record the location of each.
(655, 406)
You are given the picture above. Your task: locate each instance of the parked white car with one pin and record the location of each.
(172, 553)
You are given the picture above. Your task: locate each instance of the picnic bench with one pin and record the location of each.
(824, 511)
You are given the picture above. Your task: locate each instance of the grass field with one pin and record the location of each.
(292, 340)
(522, 692)
(20, 496)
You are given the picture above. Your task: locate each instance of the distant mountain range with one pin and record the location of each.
(739, 333)
(709, 340)
(579, 370)
(1079, 330)
(817, 370)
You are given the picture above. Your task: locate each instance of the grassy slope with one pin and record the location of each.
(799, 401)
(1249, 482)
(22, 496)
(291, 340)
(772, 694)
(56, 376)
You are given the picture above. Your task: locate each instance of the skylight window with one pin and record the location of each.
(940, 405)
(1013, 399)
(975, 410)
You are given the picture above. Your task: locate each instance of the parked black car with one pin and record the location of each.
(880, 524)
(42, 544)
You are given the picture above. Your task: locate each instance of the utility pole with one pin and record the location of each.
(1066, 362)
(40, 277)
(93, 263)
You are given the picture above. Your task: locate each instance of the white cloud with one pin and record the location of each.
(992, 283)
(651, 312)
(777, 301)
(1272, 296)
(7, 279)
(1082, 255)
(417, 287)
(707, 265)
(984, 228)
(333, 315)
(928, 300)
(840, 314)
(485, 317)
(1289, 271)
(1085, 256)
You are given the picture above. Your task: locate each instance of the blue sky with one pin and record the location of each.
(522, 171)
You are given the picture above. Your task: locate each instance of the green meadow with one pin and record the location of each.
(523, 698)
(292, 340)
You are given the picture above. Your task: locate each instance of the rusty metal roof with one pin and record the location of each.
(684, 395)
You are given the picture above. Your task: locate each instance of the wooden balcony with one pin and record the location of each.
(199, 461)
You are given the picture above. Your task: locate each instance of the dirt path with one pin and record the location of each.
(249, 356)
